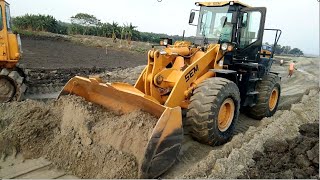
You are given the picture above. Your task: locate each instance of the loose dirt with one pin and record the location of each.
(232, 159)
(296, 158)
(77, 136)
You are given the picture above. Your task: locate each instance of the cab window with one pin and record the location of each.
(215, 24)
(1, 21)
(250, 28)
(8, 17)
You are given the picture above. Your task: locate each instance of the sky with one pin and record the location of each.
(299, 20)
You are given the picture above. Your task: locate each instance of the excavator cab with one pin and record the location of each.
(210, 78)
(11, 77)
(10, 49)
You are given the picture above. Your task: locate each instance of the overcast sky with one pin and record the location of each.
(299, 20)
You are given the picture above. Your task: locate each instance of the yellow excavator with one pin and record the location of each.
(211, 78)
(12, 78)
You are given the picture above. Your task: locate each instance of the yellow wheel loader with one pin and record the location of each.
(12, 78)
(211, 79)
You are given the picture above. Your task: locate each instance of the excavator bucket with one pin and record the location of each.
(165, 142)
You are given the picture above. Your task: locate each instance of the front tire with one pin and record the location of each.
(213, 111)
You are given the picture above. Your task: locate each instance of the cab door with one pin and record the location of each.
(3, 34)
(250, 32)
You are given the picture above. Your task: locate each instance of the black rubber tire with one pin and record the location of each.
(202, 114)
(265, 87)
(18, 81)
(10, 84)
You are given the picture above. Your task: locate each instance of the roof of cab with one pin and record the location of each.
(221, 3)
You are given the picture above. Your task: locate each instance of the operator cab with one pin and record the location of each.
(233, 23)
(239, 29)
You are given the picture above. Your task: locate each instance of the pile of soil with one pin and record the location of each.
(288, 159)
(77, 136)
(30, 128)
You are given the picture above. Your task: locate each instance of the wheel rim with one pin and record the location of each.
(273, 100)
(226, 114)
(7, 90)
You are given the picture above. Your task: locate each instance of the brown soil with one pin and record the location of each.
(62, 54)
(77, 136)
(30, 128)
(50, 61)
(232, 159)
(288, 159)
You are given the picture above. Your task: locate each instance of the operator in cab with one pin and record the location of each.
(224, 31)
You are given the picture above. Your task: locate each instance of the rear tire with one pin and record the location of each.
(15, 82)
(7, 89)
(213, 111)
(268, 99)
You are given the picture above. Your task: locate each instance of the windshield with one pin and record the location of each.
(215, 24)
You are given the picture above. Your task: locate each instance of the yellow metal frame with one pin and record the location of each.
(9, 48)
(181, 78)
(222, 3)
(163, 88)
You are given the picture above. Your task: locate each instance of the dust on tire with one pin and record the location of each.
(204, 108)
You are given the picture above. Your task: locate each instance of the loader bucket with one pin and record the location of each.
(164, 144)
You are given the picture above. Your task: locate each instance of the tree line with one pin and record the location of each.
(287, 50)
(86, 24)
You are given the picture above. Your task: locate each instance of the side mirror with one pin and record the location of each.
(191, 18)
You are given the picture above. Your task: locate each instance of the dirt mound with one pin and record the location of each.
(29, 128)
(294, 158)
(95, 143)
(77, 136)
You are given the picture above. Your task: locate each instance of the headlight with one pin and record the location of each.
(224, 46)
